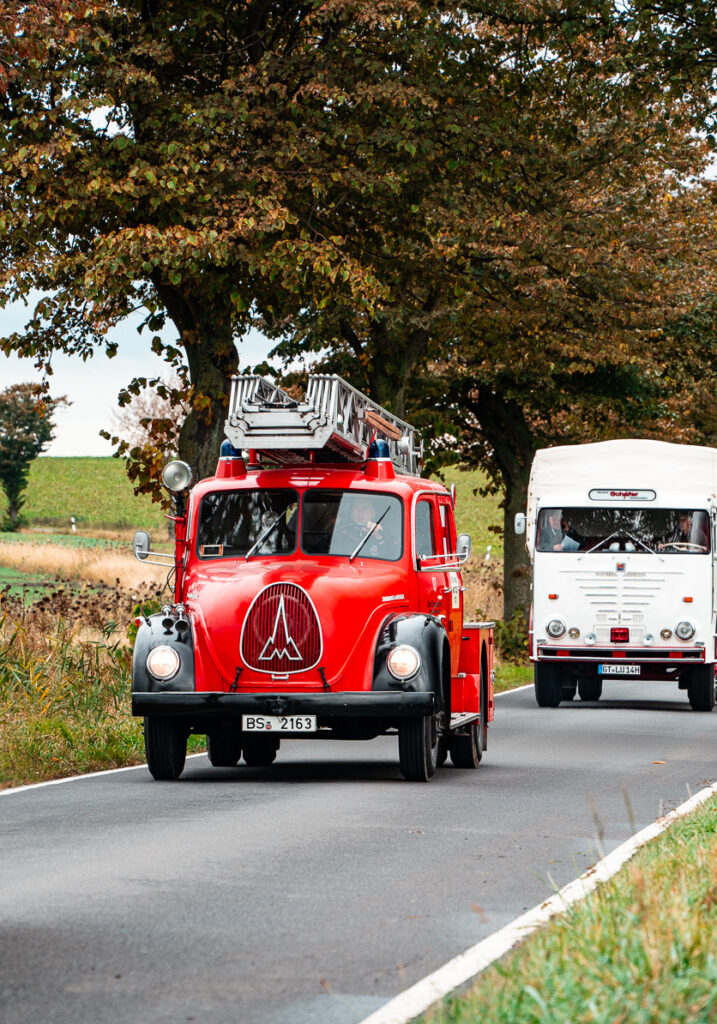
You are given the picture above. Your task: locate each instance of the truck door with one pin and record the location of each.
(439, 589)
(453, 604)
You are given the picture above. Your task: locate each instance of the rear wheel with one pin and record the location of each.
(590, 689)
(165, 746)
(467, 748)
(418, 748)
(223, 749)
(567, 691)
(701, 688)
(548, 685)
(259, 751)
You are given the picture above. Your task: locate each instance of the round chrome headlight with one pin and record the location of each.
(648, 639)
(590, 639)
(684, 630)
(555, 628)
(177, 476)
(163, 662)
(403, 661)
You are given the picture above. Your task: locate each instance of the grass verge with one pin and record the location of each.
(641, 949)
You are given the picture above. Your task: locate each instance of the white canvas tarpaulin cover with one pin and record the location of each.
(569, 472)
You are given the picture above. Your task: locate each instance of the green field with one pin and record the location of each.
(95, 491)
(98, 494)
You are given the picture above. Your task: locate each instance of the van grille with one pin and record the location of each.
(281, 632)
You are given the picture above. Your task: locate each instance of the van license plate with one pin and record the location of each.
(278, 723)
(619, 670)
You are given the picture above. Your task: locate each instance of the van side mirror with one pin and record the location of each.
(519, 523)
(141, 545)
(464, 546)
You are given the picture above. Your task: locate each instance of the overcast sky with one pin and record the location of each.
(92, 387)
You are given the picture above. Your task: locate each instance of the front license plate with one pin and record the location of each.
(278, 723)
(619, 670)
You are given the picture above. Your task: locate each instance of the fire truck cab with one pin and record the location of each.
(317, 593)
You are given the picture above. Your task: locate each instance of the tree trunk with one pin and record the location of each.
(504, 427)
(205, 332)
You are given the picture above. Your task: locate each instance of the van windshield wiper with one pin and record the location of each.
(257, 544)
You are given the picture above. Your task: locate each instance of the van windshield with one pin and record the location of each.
(639, 530)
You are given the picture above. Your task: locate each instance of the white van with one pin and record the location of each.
(621, 535)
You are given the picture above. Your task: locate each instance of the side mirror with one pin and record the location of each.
(519, 523)
(464, 546)
(141, 545)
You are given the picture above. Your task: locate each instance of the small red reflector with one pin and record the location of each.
(675, 654)
(552, 597)
(563, 654)
(138, 622)
(619, 635)
(687, 600)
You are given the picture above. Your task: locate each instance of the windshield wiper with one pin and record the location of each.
(265, 534)
(366, 536)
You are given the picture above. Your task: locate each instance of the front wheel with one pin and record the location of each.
(467, 748)
(590, 689)
(418, 748)
(701, 688)
(548, 685)
(165, 746)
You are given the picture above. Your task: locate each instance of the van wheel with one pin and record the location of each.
(590, 689)
(701, 688)
(223, 749)
(548, 685)
(418, 748)
(467, 748)
(165, 746)
(259, 751)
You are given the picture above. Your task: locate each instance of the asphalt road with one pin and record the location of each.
(315, 890)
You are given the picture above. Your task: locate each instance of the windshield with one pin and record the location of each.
(668, 531)
(247, 523)
(355, 524)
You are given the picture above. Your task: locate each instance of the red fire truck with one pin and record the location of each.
(317, 593)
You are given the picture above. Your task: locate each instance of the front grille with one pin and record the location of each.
(281, 632)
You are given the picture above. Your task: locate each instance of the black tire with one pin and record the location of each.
(165, 746)
(259, 751)
(223, 749)
(418, 748)
(701, 688)
(467, 748)
(567, 691)
(590, 689)
(548, 685)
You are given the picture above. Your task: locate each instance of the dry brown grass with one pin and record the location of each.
(89, 565)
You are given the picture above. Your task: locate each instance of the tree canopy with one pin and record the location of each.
(482, 212)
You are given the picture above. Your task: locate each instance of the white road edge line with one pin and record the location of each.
(134, 767)
(78, 778)
(415, 1000)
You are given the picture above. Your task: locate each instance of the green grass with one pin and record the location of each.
(94, 490)
(27, 585)
(641, 949)
(509, 676)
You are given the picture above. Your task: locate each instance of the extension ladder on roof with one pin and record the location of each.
(335, 422)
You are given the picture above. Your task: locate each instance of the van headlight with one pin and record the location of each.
(163, 662)
(684, 630)
(403, 661)
(555, 628)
